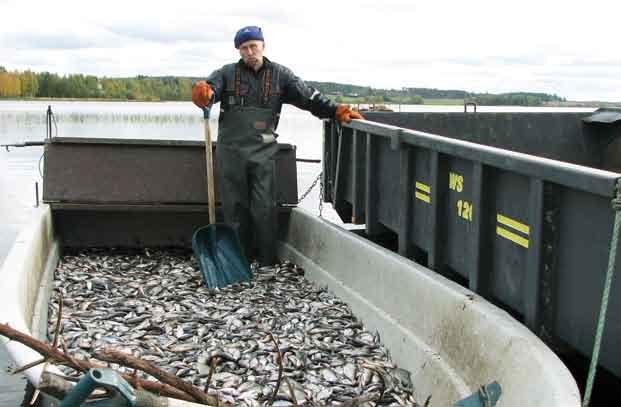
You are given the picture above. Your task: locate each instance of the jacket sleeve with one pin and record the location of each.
(217, 82)
(305, 97)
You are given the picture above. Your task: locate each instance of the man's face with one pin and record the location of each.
(252, 53)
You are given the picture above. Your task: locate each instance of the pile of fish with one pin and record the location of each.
(152, 304)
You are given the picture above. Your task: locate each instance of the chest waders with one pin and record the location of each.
(245, 172)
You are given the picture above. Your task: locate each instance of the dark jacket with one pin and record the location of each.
(284, 87)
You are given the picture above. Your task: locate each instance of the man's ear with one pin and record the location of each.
(263, 45)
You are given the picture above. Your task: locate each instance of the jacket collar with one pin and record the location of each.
(266, 63)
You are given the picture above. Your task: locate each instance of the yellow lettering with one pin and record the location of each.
(456, 182)
(464, 209)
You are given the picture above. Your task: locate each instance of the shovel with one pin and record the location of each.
(217, 246)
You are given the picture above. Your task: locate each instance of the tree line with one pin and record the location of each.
(515, 99)
(405, 95)
(28, 84)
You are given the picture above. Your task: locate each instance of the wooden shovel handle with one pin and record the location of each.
(211, 195)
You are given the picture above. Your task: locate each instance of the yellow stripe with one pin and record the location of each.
(423, 187)
(513, 224)
(512, 236)
(423, 197)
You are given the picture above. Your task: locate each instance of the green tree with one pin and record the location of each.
(75, 86)
(93, 89)
(30, 83)
(185, 89)
(415, 100)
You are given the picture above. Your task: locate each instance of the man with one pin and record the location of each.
(251, 93)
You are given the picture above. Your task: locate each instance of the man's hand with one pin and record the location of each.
(345, 114)
(201, 94)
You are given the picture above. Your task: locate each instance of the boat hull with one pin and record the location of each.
(451, 340)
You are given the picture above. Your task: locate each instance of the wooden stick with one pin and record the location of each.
(71, 361)
(211, 195)
(291, 391)
(212, 368)
(29, 366)
(116, 356)
(57, 336)
(54, 344)
(58, 321)
(58, 387)
(279, 360)
(82, 365)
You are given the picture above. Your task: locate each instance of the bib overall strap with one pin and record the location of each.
(267, 86)
(238, 98)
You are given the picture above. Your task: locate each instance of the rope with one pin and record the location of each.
(616, 205)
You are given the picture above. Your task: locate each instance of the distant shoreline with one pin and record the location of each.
(352, 101)
(570, 103)
(460, 102)
(49, 99)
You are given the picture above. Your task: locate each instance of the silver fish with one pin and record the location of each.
(152, 303)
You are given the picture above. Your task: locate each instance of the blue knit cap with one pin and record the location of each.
(248, 33)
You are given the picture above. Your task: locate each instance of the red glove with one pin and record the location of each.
(201, 94)
(345, 114)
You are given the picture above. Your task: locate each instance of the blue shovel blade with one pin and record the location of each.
(219, 255)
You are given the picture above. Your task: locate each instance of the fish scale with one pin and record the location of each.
(153, 304)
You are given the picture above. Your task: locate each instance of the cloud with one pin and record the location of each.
(561, 48)
(164, 34)
(57, 41)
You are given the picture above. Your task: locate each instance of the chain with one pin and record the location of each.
(305, 194)
(321, 195)
(313, 185)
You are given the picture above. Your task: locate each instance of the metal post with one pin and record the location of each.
(466, 104)
(36, 194)
(48, 122)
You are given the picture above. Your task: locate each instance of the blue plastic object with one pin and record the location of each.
(486, 396)
(220, 256)
(123, 394)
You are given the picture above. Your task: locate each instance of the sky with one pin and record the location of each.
(568, 48)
